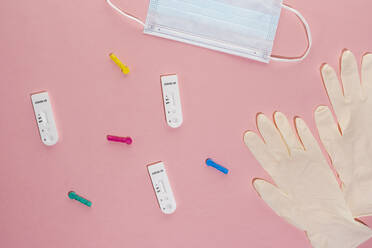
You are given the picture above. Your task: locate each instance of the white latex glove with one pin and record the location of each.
(349, 144)
(306, 194)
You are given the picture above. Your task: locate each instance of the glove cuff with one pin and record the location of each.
(340, 234)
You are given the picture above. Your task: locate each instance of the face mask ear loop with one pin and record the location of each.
(309, 39)
(125, 14)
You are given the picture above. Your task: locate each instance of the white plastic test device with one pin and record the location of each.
(172, 100)
(162, 187)
(45, 118)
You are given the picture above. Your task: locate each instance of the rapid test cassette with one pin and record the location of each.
(172, 100)
(162, 187)
(45, 118)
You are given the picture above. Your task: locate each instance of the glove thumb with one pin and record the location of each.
(278, 201)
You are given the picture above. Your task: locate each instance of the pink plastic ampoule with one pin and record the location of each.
(127, 140)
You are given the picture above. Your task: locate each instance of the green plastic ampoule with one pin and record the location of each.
(74, 196)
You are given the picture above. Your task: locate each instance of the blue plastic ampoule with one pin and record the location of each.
(211, 163)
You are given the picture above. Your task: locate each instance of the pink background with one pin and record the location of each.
(63, 47)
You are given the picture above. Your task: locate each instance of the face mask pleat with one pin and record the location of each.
(269, 7)
(220, 11)
(199, 21)
(200, 27)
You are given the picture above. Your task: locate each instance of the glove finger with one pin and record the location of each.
(328, 130)
(260, 151)
(272, 137)
(350, 76)
(335, 94)
(367, 73)
(306, 137)
(277, 201)
(288, 134)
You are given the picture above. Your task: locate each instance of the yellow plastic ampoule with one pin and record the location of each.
(124, 68)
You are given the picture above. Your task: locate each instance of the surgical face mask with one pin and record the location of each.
(244, 28)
